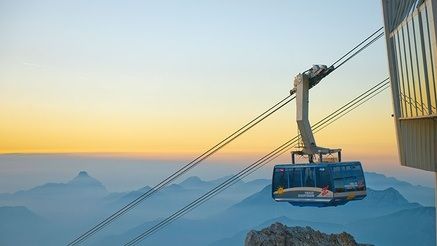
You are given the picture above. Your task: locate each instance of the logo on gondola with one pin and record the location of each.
(280, 190)
(325, 191)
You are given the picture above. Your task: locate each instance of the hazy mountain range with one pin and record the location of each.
(394, 212)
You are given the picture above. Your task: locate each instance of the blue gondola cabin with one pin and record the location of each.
(322, 184)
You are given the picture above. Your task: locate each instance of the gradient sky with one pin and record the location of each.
(171, 78)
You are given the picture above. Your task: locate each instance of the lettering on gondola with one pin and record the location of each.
(351, 185)
(306, 194)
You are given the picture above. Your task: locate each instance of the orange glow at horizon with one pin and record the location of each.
(367, 135)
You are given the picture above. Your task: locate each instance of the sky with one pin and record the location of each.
(131, 90)
(169, 79)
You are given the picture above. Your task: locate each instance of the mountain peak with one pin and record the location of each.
(192, 182)
(83, 174)
(277, 234)
(84, 179)
(193, 179)
(390, 195)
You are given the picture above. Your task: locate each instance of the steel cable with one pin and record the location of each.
(183, 170)
(347, 108)
(215, 148)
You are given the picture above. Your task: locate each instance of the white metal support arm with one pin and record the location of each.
(303, 82)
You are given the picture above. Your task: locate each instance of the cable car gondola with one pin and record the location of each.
(321, 184)
(315, 184)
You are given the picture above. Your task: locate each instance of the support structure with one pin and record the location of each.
(303, 82)
(411, 39)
